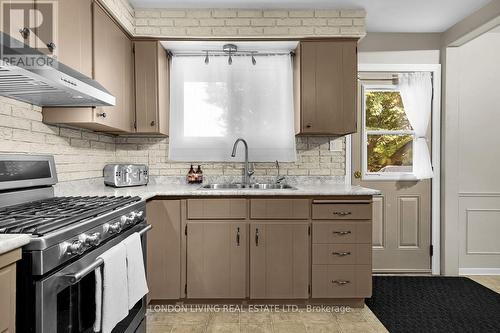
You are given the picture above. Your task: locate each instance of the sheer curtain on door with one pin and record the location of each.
(416, 93)
(211, 105)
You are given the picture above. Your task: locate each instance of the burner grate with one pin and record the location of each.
(45, 216)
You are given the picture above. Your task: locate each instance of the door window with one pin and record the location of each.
(387, 135)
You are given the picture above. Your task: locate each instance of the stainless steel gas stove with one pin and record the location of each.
(55, 286)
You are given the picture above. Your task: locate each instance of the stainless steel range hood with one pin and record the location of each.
(30, 76)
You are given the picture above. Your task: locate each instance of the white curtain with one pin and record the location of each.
(416, 93)
(211, 105)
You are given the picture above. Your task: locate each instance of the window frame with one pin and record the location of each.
(365, 174)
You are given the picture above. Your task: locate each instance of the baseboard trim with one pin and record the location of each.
(479, 271)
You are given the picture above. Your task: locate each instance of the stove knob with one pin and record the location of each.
(93, 239)
(77, 247)
(126, 220)
(115, 228)
(138, 215)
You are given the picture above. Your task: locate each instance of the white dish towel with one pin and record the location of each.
(114, 307)
(137, 284)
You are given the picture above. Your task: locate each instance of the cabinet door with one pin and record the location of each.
(164, 249)
(19, 16)
(328, 87)
(113, 68)
(216, 259)
(279, 260)
(74, 35)
(151, 87)
(8, 298)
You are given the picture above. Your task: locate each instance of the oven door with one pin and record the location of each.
(63, 306)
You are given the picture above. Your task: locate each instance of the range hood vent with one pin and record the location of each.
(52, 84)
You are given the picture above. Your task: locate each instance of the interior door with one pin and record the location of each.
(382, 152)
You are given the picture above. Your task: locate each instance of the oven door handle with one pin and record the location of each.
(76, 277)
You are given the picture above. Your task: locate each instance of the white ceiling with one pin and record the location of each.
(382, 15)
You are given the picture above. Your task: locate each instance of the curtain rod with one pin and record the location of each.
(222, 54)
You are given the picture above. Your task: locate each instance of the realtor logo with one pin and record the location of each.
(29, 29)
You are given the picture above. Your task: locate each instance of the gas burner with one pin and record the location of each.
(42, 217)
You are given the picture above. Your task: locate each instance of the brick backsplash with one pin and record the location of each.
(81, 154)
(314, 158)
(249, 22)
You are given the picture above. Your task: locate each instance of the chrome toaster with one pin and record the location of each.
(123, 175)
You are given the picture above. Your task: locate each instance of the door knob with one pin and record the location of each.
(357, 174)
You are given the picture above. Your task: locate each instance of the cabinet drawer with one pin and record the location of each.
(334, 232)
(280, 209)
(341, 254)
(341, 281)
(342, 211)
(217, 208)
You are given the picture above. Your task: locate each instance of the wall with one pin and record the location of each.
(123, 12)
(400, 48)
(249, 23)
(79, 154)
(313, 155)
(471, 121)
(313, 159)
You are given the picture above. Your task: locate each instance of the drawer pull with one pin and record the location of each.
(342, 213)
(238, 237)
(257, 237)
(341, 282)
(341, 254)
(342, 233)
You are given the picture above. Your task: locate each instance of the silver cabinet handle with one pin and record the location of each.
(341, 213)
(256, 236)
(25, 32)
(101, 114)
(341, 254)
(238, 237)
(341, 282)
(51, 46)
(342, 233)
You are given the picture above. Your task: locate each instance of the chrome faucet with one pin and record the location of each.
(248, 173)
(279, 178)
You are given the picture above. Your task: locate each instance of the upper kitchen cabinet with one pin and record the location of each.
(325, 87)
(20, 25)
(151, 87)
(74, 38)
(92, 43)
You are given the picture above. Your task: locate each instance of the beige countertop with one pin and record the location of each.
(96, 187)
(9, 242)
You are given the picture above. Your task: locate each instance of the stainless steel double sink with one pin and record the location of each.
(240, 186)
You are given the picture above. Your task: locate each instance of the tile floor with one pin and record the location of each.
(355, 321)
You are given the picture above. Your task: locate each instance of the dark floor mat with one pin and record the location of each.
(434, 304)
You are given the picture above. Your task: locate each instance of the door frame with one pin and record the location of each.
(435, 69)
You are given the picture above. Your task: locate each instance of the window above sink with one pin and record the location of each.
(216, 97)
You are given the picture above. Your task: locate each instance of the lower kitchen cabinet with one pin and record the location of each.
(164, 249)
(341, 281)
(8, 290)
(242, 248)
(217, 253)
(279, 260)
